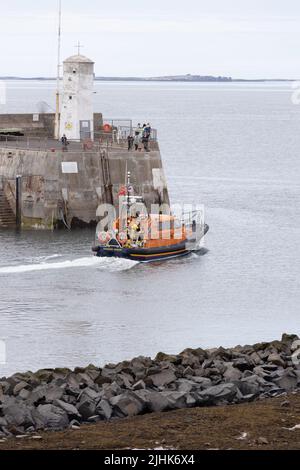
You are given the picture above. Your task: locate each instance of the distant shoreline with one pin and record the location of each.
(171, 79)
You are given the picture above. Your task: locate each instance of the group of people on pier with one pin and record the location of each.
(142, 135)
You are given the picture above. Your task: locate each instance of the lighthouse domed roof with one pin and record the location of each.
(78, 59)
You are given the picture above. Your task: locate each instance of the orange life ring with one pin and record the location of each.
(107, 128)
(123, 191)
(122, 238)
(104, 237)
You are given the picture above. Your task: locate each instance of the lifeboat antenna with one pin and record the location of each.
(57, 117)
(128, 189)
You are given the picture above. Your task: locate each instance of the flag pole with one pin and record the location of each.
(57, 110)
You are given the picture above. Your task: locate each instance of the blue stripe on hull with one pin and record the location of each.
(165, 258)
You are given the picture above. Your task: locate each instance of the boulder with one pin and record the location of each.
(162, 357)
(59, 382)
(190, 401)
(72, 385)
(289, 339)
(188, 372)
(13, 381)
(85, 379)
(123, 367)
(256, 359)
(199, 372)
(139, 367)
(17, 414)
(220, 366)
(127, 404)
(276, 359)
(190, 358)
(3, 422)
(44, 375)
(207, 364)
(109, 373)
(69, 399)
(103, 380)
(212, 373)
(71, 410)
(141, 361)
(203, 382)
(288, 380)
(221, 354)
(24, 394)
(4, 388)
(177, 400)
(89, 393)
(243, 364)
(124, 380)
(72, 392)
(218, 394)
(20, 386)
(140, 385)
(249, 386)
(153, 401)
(187, 386)
(61, 372)
(231, 374)
(88, 401)
(86, 408)
(45, 394)
(156, 369)
(51, 417)
(104, 409)
(163, 378)
(93, 372)
(111, 390)
(260, 347)
(261, 372)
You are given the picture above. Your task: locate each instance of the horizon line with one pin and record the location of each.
(167, 78)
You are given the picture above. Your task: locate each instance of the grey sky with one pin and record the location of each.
(255, 38)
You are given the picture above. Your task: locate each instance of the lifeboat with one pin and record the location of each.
(149, 238)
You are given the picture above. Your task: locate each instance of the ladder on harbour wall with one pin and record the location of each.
(7, 216)
(108, 187)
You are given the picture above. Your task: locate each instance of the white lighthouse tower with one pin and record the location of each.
(77, 114)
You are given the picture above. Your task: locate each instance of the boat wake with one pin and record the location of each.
(201, 251)
(105, 264)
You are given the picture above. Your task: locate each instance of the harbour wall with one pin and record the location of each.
(67, 187)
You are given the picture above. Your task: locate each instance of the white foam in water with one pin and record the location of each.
(46, 258)
(109, 264)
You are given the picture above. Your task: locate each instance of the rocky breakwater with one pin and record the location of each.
(57, 399)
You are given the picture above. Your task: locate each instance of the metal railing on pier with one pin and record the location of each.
(102, 140)
(122, 128)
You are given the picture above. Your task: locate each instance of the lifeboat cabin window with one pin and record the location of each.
(166, 226)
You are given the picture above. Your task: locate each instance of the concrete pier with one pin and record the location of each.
(59, 187)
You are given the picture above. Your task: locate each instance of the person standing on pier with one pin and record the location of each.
(64, 142)
(130, 140)
(137, 141)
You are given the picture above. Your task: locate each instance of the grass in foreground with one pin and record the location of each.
(261, 425)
